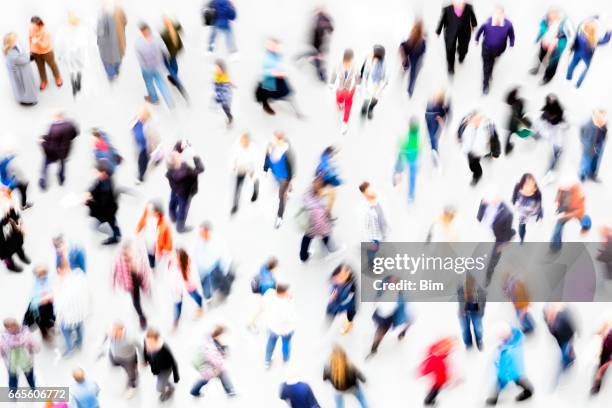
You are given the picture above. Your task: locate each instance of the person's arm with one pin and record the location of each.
(605, 39)
(442, 23)
(290, 163)
(511, 33)
(481, 211)
(175, 371)
(267, 163)
(199, 166)
(515, 194)
(480, 32)
(473, 20)
(542, 31)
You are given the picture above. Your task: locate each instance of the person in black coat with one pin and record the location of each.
(102, 202)
(497, 215)
(605, 357)
(561, 325)
(56, 146)
(11, 234)
(518, 118)
(322, 29)
(458, 21)
(159, 357)
(183, 179)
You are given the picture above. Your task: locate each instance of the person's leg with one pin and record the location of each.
(29, 375)
(430, 399)
(172, 66)
(463, 45)
(329, 245)
(172, 206)
(67, 334)
(587, 62)
(527, 389)
(229, 40)
(567, 354)
(13, 380)
(237, 189)
(493, 261)
(61, 171)
(73, 84)
(143, 161)
(541, 54)
(304, 255)
(413, 168)
(585, 166)
(286, 346)
(595, 164)
(78, 338)
(197, 387)
(50, 60)
(196, 297)
(379, 334)
(270, 345)
(339, 398)
(365, 106)
(163, 88)
(228, 387)
(415, 68)
(42, 182)
(212, 38)
(206, 281)
(178, 308)
(554, 160)
(228, 111)
(488, 60)
(433, 127)
(451, 50)
(474, 164)
(348, 105)
(477, 326)
(40, 65)
(255, 188)
(283, 189)
(358, 392)
(557, 237)
(135, 293)
(551, 69)
(181, 213)
(148, 76)
(79, 77)
(163, 381)
(572, 66)
(522, 229)
(340, 98)
(373, 103)
(466, 333)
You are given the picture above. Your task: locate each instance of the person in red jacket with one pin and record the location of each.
(156, 233)
(436, 364)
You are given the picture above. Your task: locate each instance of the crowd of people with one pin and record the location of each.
(204, 269)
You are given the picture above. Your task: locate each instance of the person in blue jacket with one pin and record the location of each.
(343, 297)
(72, 254)
(555, 32)
(297, 394)
(584, 47)
(10, 179)
(510, 364)
(261, 283)
(328, 171)
(225, 12)
(279, 160)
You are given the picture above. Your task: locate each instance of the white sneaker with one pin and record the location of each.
(278, 222)
(130, 392)
(435, 157)
(344, 128)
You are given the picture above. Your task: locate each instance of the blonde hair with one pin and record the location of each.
(338, 366)
(9, 42)
(589, 29)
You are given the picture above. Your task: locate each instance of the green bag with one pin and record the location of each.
(302, 219)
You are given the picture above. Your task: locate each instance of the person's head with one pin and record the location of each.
(338, 366)
(476, 118)
(417, 32)
(348, 56)
(175, 160)
(168, 23)
(528, 183)
(12, 326)
(102, 171)
(152, 340)
(504, 331)
(245, 140)
(59, 243)
(96, 132)
(341, 274)
(37, 22)
(378, 53)
(157, 209)
(183, 262)
(144, 114)
(458, 3)
(279, 138)
(205, 230)
(273, 45)
(126, 250)
(513, 96)
(117, 330)
(589, 29)
(41, 272)
(439, 96)
(551, 99)
(448, 214)
(367, 191)
(78, 374)
(220, 67)
(9, 42)
(145, 30)
(217, 331)
(551, 310)
(553, 15)
(73, 19)
(600, 117)
(413, 124)
(330, 152)
(272, 264)
(282, 290)
(498, 14)
(58, 115)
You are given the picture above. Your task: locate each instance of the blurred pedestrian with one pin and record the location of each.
(184, 280)
(479, 139)
(605, 357)
(124, 351)
(527, 199)
(41, 50)
(375, 221)
(436, 364)
(322, 27)
(20, 72)
(458, 21)
(280, 314)
(71, 303)
(68, 254)
(517, 292)
(244, 158)
(212, 259)
(344, 81)
(262, 282)
(412, 52)
(555, 32)
(12, 233)
(408, 158)
(373, 78)
(110, 32)
(274, 84)
(584, 46)
(72, 50)
(328, 171)
(147, 143)
(472, 299)
(156, 233)
(12, 178)
(56, 145)
(561, 325)
(223, 89)
(17, 348)
(151, 52)
(344, 377)
(84, 392)
(40, 310)
(390, 313)
(210, 363)
(171, 36)
(224, 12)
(570, 204)
(102, 202)
(437, 115)
(280, 161)
(518, 122)
(297, 394)
(104, 151)
(183, 179)
(553, 127)
(159, 357)
(343, 297)
(593, 136)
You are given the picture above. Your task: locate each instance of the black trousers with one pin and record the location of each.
(488, 63)
(283, 189)
(135, 294)
(551, 68)
(238, 189)
(460, 45)
(475, 167)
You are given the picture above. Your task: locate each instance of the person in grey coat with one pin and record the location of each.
(20, 72)
(111, 40)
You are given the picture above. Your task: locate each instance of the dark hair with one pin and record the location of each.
(102, 167)
(217, 331)
(379, 53)
(183, 262)
(364, 186)
(37, 20)
(282, 288)
(339, 268)
(158, 207)
(512, 96)
(221, 64)
(348, 54)
(152, 334)
(143, 27)
(416, 34)
(272, 263)
(329, 150)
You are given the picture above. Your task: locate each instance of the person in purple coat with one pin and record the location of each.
(497, 32)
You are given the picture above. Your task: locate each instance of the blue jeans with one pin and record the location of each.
(286, 340)
(143, 161)
(554, 159)
(112, 70)
(574, 63)
(412, 173)
(14, 379)
(73, 337)
(356, 391)
(567, 354)
(152, 80)
(414, 68)
(178, 306)
(225, 382)
(467, 321)
(433, 128)
(229, 38)
(557, 239)
(61, 171)
(178, 209)
(526, 321)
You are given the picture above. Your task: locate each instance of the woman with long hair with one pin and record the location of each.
(585, 44)
(344, 377)
(411, 53)
(343, 297)
(528, 201)
(185, 281)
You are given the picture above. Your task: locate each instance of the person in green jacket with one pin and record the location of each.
(408, 157)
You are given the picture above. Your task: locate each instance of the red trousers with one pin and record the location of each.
(344, 98)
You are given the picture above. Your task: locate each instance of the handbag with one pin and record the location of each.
(302, 219)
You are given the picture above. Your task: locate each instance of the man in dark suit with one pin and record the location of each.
(102, 202)
(56, 146)
(458, 21)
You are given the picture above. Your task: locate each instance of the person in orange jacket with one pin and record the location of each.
(156, 232)
(436, 365)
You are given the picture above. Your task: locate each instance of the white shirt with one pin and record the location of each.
(208, 253)
(476, 140)
(244, 160)
(71, 298)
(279, 312)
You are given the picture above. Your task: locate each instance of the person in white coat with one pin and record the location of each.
(71, 303)
(20, 72)
(374, 80)
(279, 311)
(479, 139)
(243, 159)
(71, 47)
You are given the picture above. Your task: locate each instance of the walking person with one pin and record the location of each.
(322, 28)
(343, 297)
(373, 78)
(375, 221)
(102, 202)
(497, 32)
(124, 351)
(274, 84)
(412, 52)
(147, 143)
(555, 32)
(260, 284)
(516, 291)
(131, 272)
(561, 325)
(605, 358)
(518, 122)
(244, 158)
(280, 314)
(472, 299)
(210, 363)
(56, 145)
(171, 36)
(68, 254)
(327, 170)
(159, 357)
(41, 50)
(11, 234)
(584, 46)
(183, 180)
(527, 199)
(408, 158)
(104, 151)
(510, 364)
(40, 310)
(20, 72)
(344, 377)
(298, 394)
(110, 32)
(72, 50)
(479, 139)
(436, 365)
(570, 204)
(223, 90)
(280, 161)
(344, 81)
(458, 21)
(156, 233)
(17, 348)
(71, 303)
(84, 392)
(437, 115)
(444, 227)
(593, 136)
(212, 260)
(224, 12)
(151, 52)
(184, 280)
(553, 127)
(12, 178)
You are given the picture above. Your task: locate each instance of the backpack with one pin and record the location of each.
(255, 284)
(209, 14)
